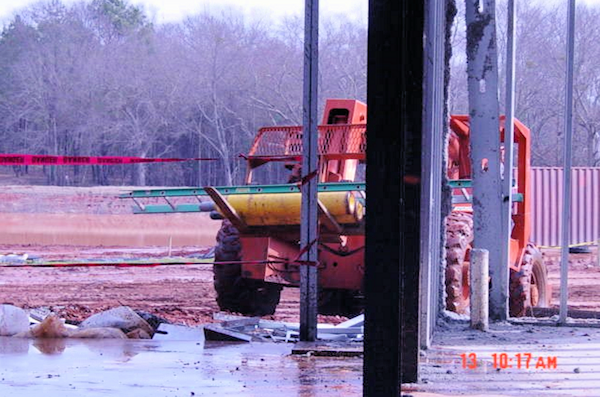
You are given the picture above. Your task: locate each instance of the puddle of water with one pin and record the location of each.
(169, 368)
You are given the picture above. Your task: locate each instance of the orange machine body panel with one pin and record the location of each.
(342, 146)
(459, 167)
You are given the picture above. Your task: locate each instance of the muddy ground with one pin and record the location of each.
(79, 224)
(91, 224)
(180, 294)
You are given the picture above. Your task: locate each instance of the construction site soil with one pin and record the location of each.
(92, 224)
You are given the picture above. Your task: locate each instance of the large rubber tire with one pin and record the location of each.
(529, 287)
(340, 302)
(459, 237)
(234, 293)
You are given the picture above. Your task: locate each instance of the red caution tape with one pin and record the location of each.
(32, 159)
(136, 264)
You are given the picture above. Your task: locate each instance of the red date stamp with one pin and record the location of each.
(511, 360)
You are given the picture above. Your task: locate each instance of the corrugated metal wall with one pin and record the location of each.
(547, 204)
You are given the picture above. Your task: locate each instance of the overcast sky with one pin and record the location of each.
(175, 10)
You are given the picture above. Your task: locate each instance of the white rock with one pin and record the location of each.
(13, 320)
(122, 317)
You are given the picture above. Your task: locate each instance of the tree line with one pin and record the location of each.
(540, 77)
(99, 78)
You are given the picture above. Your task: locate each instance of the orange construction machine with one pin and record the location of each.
(258, 250)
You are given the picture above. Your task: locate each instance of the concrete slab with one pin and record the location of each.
(511, 360)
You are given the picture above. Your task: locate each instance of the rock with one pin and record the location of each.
(153, 320)
(13, 320)
(122, 317)
(52, 327)
(99, 333)
(138, 334)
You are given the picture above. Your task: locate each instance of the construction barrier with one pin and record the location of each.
(33, 159)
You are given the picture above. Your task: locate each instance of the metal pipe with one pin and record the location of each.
(509, 133)
(308, 227)
(479, 289)
(566, 210)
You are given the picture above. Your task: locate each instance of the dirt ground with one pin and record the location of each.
(92, 224)
(85, 224)
(180, 294)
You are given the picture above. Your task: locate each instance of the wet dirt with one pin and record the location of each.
(180, 294)
(79, 224)
(584, 272)
(90, 224)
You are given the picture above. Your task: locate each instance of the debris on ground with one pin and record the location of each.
(52, 327)
(123, 318)
(13, 320)
(328, 349)
(14, 258)
(106, 333)
(167, 331)
(216, 332)
(239, 328)
(117, 323)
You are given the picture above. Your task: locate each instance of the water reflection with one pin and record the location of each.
(50, 346)
(13, 345)
(307, 376)
(115, 349)
(319, 375)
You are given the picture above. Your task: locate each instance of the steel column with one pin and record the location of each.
(308, 227)
(509, 133)
(431, 197)
(566, 210)
(392, 255)
(482, 72)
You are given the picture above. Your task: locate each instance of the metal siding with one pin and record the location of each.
(547, 205)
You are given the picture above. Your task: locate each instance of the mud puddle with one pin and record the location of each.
(169, 368)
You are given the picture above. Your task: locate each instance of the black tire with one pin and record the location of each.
(529, 287)
(340, 302)
(459, 237)
(235, 293)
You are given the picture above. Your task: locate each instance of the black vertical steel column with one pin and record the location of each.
(308, 228)
(394, 95)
